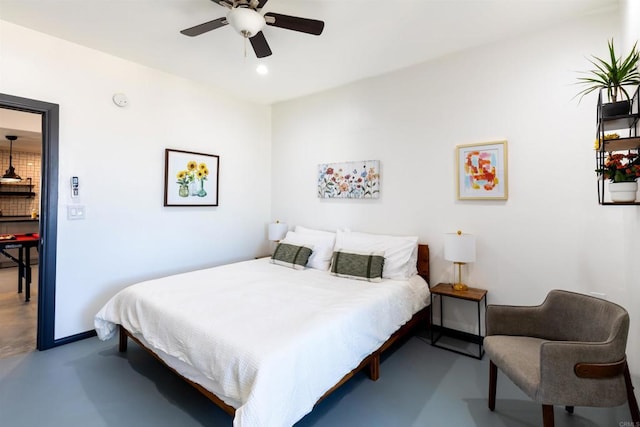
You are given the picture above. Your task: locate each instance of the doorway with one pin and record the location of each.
(21, 141)
(48, 214)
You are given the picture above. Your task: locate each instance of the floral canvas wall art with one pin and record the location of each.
(482, 171)
(191, 179)
(349, 180)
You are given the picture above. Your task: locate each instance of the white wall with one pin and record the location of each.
(118, 153)
(551, 233)
(631, 26)
(630, 16)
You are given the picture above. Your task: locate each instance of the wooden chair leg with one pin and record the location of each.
(547, 416)
(569, 409)
(493, 379)
(631, 398)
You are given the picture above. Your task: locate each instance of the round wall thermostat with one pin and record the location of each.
(120, 99)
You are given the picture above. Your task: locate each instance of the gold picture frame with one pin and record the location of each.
(481, 171)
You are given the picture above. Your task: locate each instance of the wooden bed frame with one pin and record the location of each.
(372, 362)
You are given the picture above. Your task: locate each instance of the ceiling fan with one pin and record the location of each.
(244, 16)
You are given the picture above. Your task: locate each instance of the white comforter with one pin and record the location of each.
(268, 340)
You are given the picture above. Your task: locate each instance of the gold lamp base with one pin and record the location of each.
(460, 287)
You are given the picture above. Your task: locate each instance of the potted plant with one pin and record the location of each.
(622, 170)
(612, 74)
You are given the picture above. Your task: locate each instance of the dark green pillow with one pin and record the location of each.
(291, 255)
(361, 266)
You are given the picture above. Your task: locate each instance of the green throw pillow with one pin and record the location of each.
(291, 255)
(361, 266)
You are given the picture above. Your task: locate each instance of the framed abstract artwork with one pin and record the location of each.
(190, 179)
(482, 171)
(349, 180)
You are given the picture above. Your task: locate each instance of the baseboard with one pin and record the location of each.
(74, 338)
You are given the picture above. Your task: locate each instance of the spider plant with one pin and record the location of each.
(612, 74)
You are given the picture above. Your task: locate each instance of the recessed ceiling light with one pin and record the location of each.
(262, 69)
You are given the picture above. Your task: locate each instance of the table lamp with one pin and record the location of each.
(277, 231)
(461, 249)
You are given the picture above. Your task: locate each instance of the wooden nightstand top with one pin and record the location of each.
(446, 289)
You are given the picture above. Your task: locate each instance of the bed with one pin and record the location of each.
(264, 342)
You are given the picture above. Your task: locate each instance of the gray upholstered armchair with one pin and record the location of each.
(568, 351)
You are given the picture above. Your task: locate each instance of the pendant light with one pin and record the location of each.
(10, 175)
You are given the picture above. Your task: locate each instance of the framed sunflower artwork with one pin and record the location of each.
(190, 179)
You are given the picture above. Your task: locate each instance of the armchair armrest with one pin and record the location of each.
(559, 379)
(600, 370)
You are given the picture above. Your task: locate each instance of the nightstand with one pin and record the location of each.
(476, 295)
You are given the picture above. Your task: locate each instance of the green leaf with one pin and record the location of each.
(611, 74)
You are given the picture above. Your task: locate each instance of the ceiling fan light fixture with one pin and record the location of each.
(10, 175)
(246, 21)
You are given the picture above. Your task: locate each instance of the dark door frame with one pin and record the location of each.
(48, 214)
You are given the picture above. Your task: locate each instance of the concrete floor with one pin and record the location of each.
(89, 383)
(18, 319)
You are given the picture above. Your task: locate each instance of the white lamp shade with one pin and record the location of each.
(277, 231)
(10, 180)
(460, 247)
(246, 21)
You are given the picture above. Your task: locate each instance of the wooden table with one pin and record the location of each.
(472, 294)
(24, 243)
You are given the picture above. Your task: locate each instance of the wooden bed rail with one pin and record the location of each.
(124, 334)
(372, 362)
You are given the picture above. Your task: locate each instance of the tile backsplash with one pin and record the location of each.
(27, 165)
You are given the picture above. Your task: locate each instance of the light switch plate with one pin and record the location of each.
(76, 212)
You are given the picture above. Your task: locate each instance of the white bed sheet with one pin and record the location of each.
(266, 339)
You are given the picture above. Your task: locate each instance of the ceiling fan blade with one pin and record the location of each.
(203, 28)
(224, 3)
(304, 25)
(260, 45)
(261, 4)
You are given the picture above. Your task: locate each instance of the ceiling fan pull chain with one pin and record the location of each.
(245, 47)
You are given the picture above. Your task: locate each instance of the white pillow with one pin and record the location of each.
(304, 230)
(322, 245)
(400, 252)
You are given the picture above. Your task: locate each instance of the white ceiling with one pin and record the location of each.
(26, 126)
(361, 38)
(27, 141)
